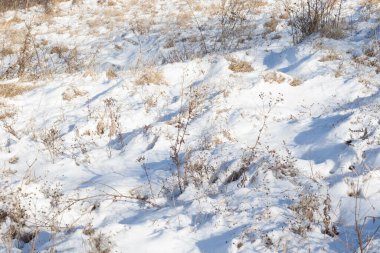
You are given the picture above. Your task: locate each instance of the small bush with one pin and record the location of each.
(53, 142)
(311, 16)
(306, 213)
(197, 171)
(99, 243)
(282, 165)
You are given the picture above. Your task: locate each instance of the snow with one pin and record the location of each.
(125, 184)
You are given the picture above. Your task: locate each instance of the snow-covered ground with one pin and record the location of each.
(283, 157)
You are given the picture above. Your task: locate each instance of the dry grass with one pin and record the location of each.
(296, 82)
(150, 102)
(99, 243)
(150, 76)
(6, 24)
(310, 16)
(100, 127)
(113, 12)
(59, 49)
(16, 37)
(260, 3)
(184, 19)
(169, 43)
(284, 16)
(370, 2)
(12, 90)
(334, 32)
(274, 77)
(330, 57)
(4, 114)
(72, 92)
(271, 25)
(256, 5)
(94, 23)
(306, 213)
(240, 66)
(25, 4)
(6, 111)
(6, 51)
(111, 74)
(370, 52)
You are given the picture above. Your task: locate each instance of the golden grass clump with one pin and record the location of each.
(240, 66)
(274, 77)
(12, 90)
(111, 74)
(295, 82)
(150, 76)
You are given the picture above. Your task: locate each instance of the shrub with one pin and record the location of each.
(99, 243)
(53, 142)
(306, 213)
(311, 16)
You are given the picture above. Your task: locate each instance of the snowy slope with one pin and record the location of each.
(86, 156)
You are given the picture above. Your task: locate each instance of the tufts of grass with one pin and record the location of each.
(296, 82)
(150, 76)
(12, 90)
(330, 57)
(240, 66)
(274, 77)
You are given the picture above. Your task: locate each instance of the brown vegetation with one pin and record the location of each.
(6, 5)
(12, 90)
(240, 66)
